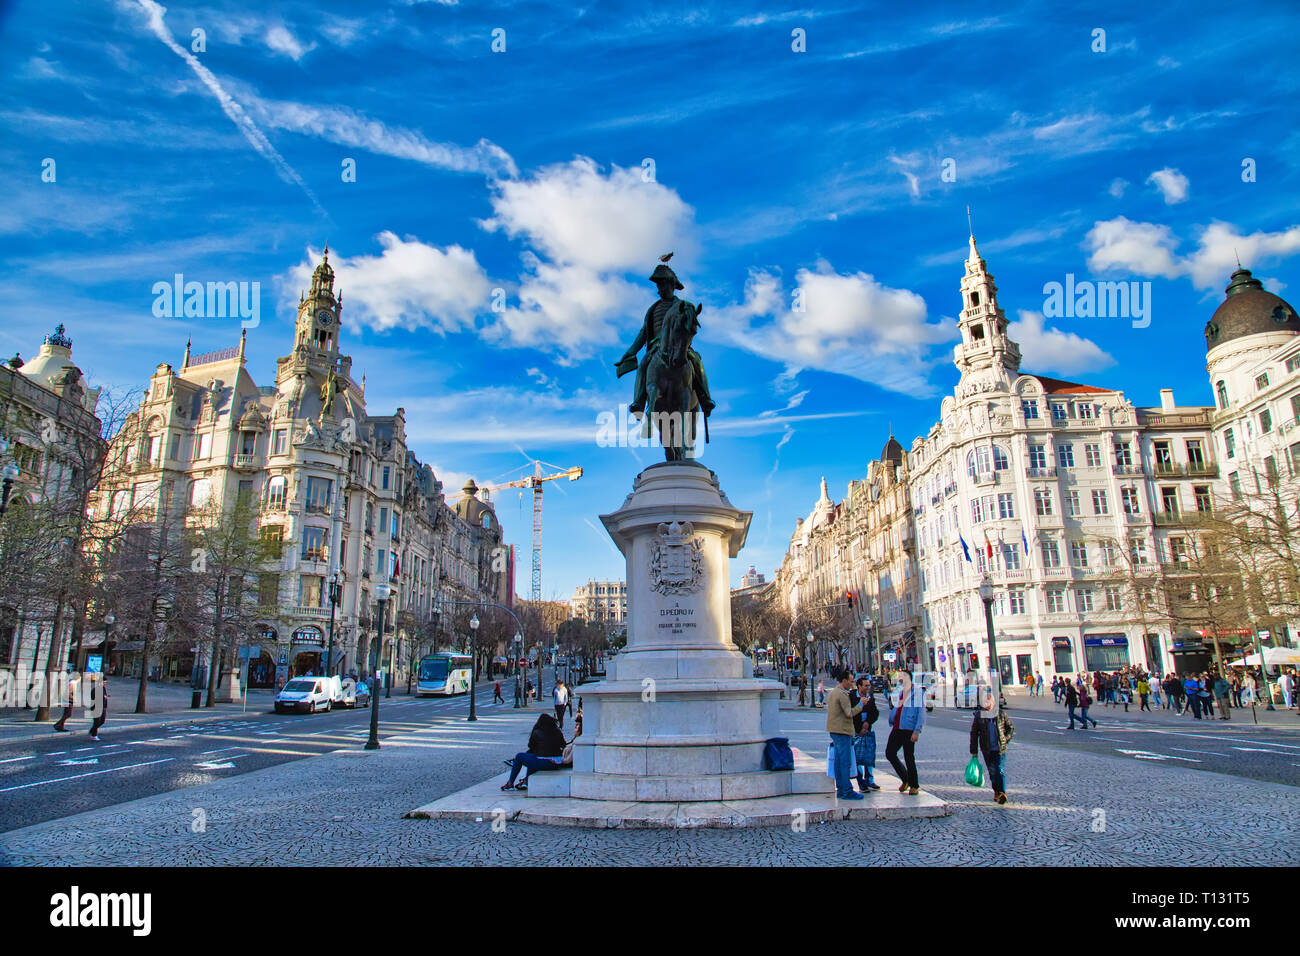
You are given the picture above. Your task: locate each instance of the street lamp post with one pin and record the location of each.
(517, 648)
(868, 627)
(808, 665)
(995, 667)
(473, 664)
(382, 593)
(336, 594)
(6, 488)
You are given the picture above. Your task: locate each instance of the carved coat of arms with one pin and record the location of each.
(677, 562)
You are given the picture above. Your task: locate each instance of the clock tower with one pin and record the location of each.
(317, 331)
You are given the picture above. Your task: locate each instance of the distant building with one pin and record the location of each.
(603, 602)
(752, 578)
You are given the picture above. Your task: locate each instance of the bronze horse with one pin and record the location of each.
(670, 387)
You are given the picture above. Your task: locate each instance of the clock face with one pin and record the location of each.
(324, 317)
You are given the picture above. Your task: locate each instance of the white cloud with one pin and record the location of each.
(279, 39)
(1053, 350)
(849, 324)
(410, 284)
(586, 231)
(1140, 247)
(1117, 188)
(1171, 183)
(574, 214)
(338, 124)
(39, 68)
(1145, 248)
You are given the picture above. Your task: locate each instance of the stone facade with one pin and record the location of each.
(337, 484)
(1072, 500)
(600, 601)
(50, 432)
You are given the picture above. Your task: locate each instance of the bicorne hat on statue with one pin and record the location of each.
(663, 272)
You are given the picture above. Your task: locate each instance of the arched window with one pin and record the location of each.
(200, 492)
(999, 459)
(1221, 392)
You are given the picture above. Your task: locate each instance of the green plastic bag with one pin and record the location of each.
(975, 773)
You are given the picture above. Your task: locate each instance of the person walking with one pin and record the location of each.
(69, 703)
(1223, 690)
(990, 733)
(1236, 689)
(1056, 688)
(1157, 695)
(1144, 692)
(98, 706)
(864, 741)
(1192, 691)
(560, 698)
(840, 712)
(496, 694)
(1206, 693)
(821, 691)
(1287, 682)
(1038, 682)
(1077, 697)
(905, 725)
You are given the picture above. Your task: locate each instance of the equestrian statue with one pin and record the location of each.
(670, 379)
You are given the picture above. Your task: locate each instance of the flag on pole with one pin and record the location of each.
(988, 546)
(1024, 536)
(965, 550)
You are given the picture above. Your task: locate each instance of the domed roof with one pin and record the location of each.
(892, 451)
(1248, 309)
(472, 509)
(55, 356)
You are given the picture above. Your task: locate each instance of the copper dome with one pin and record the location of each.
(1249, 309)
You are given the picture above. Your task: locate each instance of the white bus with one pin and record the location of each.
(443, 674)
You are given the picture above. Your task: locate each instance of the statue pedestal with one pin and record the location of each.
(680, 716)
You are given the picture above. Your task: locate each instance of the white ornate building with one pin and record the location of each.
(1253, 359)
(337, 484)
(48, 431)
(600, 602)
(1072, 500)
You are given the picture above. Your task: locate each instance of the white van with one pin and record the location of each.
(309, 694)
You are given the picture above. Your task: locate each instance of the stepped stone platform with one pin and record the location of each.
(547, 802)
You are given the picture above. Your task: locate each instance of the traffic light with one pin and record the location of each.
(789, 661)
(848, 596)
(975, 662)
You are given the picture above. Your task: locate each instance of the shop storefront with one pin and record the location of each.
(1062, 656)
(1105, 652)
(307, 654)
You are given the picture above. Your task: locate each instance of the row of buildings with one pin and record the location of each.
(1076, 505)
(337, 486)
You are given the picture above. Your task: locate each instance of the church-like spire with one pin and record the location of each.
(983, 325)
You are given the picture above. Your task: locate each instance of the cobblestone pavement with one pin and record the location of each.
(346, 808)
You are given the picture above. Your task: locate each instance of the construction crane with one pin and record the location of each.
(535, 481)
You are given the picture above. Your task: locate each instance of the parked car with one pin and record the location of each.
(309, 694)
(355, 693)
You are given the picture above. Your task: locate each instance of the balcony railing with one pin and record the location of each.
(245, 461)
(320, 613)
(318, 507)
(1134, 517)
(1128, 469)
(1047, 472)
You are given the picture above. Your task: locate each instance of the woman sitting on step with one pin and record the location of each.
(546, 751)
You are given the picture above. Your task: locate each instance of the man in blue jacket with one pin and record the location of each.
(905, 725)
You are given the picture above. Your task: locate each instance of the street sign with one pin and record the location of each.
(942, 657)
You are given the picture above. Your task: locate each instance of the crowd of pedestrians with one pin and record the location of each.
(1192, 694)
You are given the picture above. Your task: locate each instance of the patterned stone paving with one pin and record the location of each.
(346, 808)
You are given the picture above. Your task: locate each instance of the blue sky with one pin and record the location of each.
(559, 169)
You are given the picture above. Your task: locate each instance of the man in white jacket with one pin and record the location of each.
(560, 698)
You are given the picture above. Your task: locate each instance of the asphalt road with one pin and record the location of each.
(1236, 747)
(52, 777)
